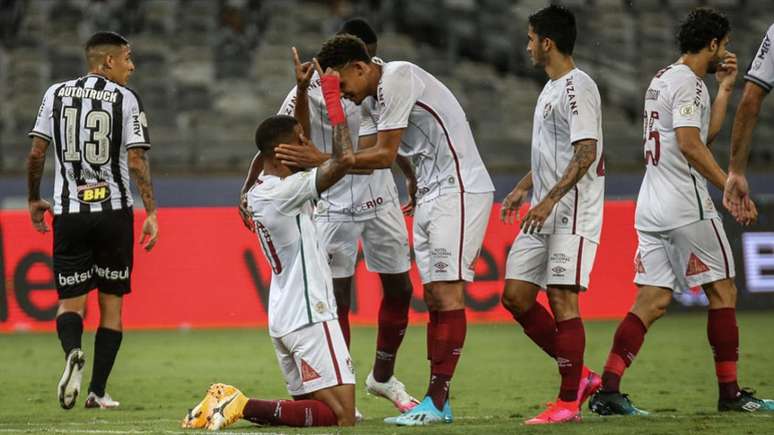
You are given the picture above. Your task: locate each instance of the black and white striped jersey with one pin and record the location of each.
(92, 122)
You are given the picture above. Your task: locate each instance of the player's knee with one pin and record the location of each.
(721, 294)
(515, 304)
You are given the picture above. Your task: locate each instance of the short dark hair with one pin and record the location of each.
(105, 38)
(699, 28)
(341, 50)
(556, 23)
(359, 27)
(272, 131)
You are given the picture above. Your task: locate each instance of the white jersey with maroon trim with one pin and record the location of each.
(761, 70)
(92, 122)
(673, 193)
(569, 110)
(354, 197)
(437, 135)
(301, 290)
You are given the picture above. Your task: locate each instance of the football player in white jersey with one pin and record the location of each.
(359, 207)
(760, 80)
(560, 234)
(412, 113)
(682, 243)
(308, 341)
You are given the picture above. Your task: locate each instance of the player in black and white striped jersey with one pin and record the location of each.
(100, 135)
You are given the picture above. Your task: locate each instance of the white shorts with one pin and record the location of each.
(448, 233)
(685, 257)
(385, 243)
(314, 357)
(551, 259)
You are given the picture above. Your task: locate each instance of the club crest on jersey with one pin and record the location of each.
(546, 110)
(94, 193)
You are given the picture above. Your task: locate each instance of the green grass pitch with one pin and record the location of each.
(502, 379)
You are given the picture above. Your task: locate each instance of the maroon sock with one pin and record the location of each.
(343, 313)
(296, 413)
(570, 344)
(539, 325)
(431, 333)
(448, 340)
(723, 335)
(626, 344)
(393, 319)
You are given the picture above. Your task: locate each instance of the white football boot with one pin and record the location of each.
(392, 390)
(70, 383)
(104, 402)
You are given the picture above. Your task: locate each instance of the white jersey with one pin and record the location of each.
(301, 291)
(761, 70)
(437, 135)
(92, 122)
(568, 110)
(673, 193)
(354, 197)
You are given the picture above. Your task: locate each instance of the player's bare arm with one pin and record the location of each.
(304, 72)
(509, 209)
(699, 155)
(36, 161)
(139, 168)
(736, 195)
(725, 76)
(383, 153)
(585, 154)
(342, 158)
(256, 166)
(411, 184)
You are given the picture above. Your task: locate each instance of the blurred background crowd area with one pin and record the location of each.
(209, 70)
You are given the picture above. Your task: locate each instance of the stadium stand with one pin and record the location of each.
(208, 70)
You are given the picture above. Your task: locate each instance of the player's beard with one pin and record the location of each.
(538, 57)
(713, 65)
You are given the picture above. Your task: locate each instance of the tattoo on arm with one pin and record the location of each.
(342, 159)
(139, 167)
(585, 154)
(36, 162)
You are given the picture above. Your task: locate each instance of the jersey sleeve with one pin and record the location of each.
(398, 92)
(761, 70)
(289, 105)
(135, 122)
(367, 122)
(686, 99)
(294, 192)
(42, 127)
(583, 111)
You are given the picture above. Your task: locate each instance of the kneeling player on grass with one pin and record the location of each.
(682, 243)
(307, 338)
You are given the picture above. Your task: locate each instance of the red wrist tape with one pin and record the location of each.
(332, 95)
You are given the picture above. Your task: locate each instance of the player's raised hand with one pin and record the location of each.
(304, 71)
(726, 73)
(535, 218)
(38, 210)
(328, 71)
(304, 155)
(736, 196)
(509, 209)
(246, 214)
(150, 232)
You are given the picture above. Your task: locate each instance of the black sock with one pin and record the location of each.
(106, 346)
(69, 327)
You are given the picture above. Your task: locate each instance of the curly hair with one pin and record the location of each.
(699, 28)
(272, 131)
(341, 50)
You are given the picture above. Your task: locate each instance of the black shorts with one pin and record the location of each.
(93, 250)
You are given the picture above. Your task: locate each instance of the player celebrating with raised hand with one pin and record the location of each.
(560, 234)
(360, 207)
(410, 112)
(100, 132)
(760, 80)
(682, 243)
(310, 347)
